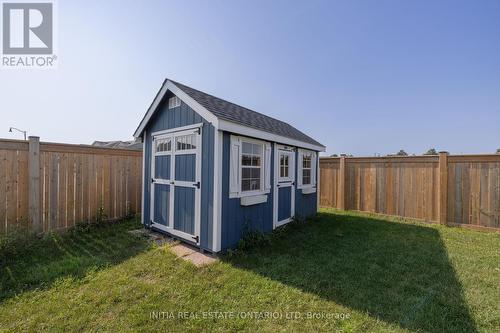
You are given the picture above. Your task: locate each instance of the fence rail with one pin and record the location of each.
(449, 189)
(53, 186)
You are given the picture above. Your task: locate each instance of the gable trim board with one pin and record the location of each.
(170, 86)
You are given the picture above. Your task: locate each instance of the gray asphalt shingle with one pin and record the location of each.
(225, 110)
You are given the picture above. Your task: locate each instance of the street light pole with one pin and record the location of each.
(17, 129)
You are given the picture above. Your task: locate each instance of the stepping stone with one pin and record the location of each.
(200, 259)
(182, 250)
(192, 255)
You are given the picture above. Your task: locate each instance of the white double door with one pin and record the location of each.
(176, 183)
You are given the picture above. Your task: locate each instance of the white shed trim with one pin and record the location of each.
(143, 175)
(263, 135)
(217, 195)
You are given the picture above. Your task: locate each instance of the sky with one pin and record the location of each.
(361, 77)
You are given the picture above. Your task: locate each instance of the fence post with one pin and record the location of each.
(34, 183)
(341, 188)
(443, 187)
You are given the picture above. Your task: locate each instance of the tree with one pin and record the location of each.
(498, 151)
(401, 153)
(431, 151)
(334, 155)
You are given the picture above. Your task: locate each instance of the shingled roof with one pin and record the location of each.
(235, 113)
(238, 114)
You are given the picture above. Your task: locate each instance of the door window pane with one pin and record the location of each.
(186, 142)
(284, 167)
(163, 145)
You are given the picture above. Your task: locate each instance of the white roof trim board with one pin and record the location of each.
(170, 86)
(231, 117)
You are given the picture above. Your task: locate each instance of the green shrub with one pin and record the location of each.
(16, 241)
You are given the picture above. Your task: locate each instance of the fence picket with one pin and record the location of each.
(74, 180)
(461, 190)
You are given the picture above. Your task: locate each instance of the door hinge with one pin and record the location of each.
(196, 238)
(197, 184)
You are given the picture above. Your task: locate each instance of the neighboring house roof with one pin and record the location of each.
(229, 113)
(119, 144)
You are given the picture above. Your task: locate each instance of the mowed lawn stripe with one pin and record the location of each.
(337, 272)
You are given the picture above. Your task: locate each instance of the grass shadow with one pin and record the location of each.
(397, 272)
(72, 254)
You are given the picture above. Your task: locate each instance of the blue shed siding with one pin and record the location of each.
(306, 205)
(177, 117)
(162, 194)
(236, 218)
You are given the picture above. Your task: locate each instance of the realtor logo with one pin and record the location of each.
(28, 29)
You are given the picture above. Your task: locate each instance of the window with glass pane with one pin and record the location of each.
(186, 142)
(306, 169)
(284, 166)
(251, 157)
(163, 145)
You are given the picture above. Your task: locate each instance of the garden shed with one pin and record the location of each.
(213, 170)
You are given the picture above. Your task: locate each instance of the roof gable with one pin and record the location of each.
(214, 109)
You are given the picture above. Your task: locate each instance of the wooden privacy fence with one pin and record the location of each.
(52, 186)
(456, 190)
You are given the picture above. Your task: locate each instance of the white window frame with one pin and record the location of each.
(259, 167)
(165, 152)
(174, 102)
(183, 151)
(291, 167)
(310, 156)
(264, 168)
(300, 164)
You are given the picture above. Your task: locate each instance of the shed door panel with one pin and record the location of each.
(185, 167)
(184, 210)
(284, 203)
(161, 204)
(162, 167)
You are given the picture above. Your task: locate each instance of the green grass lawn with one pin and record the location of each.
(351, 271)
